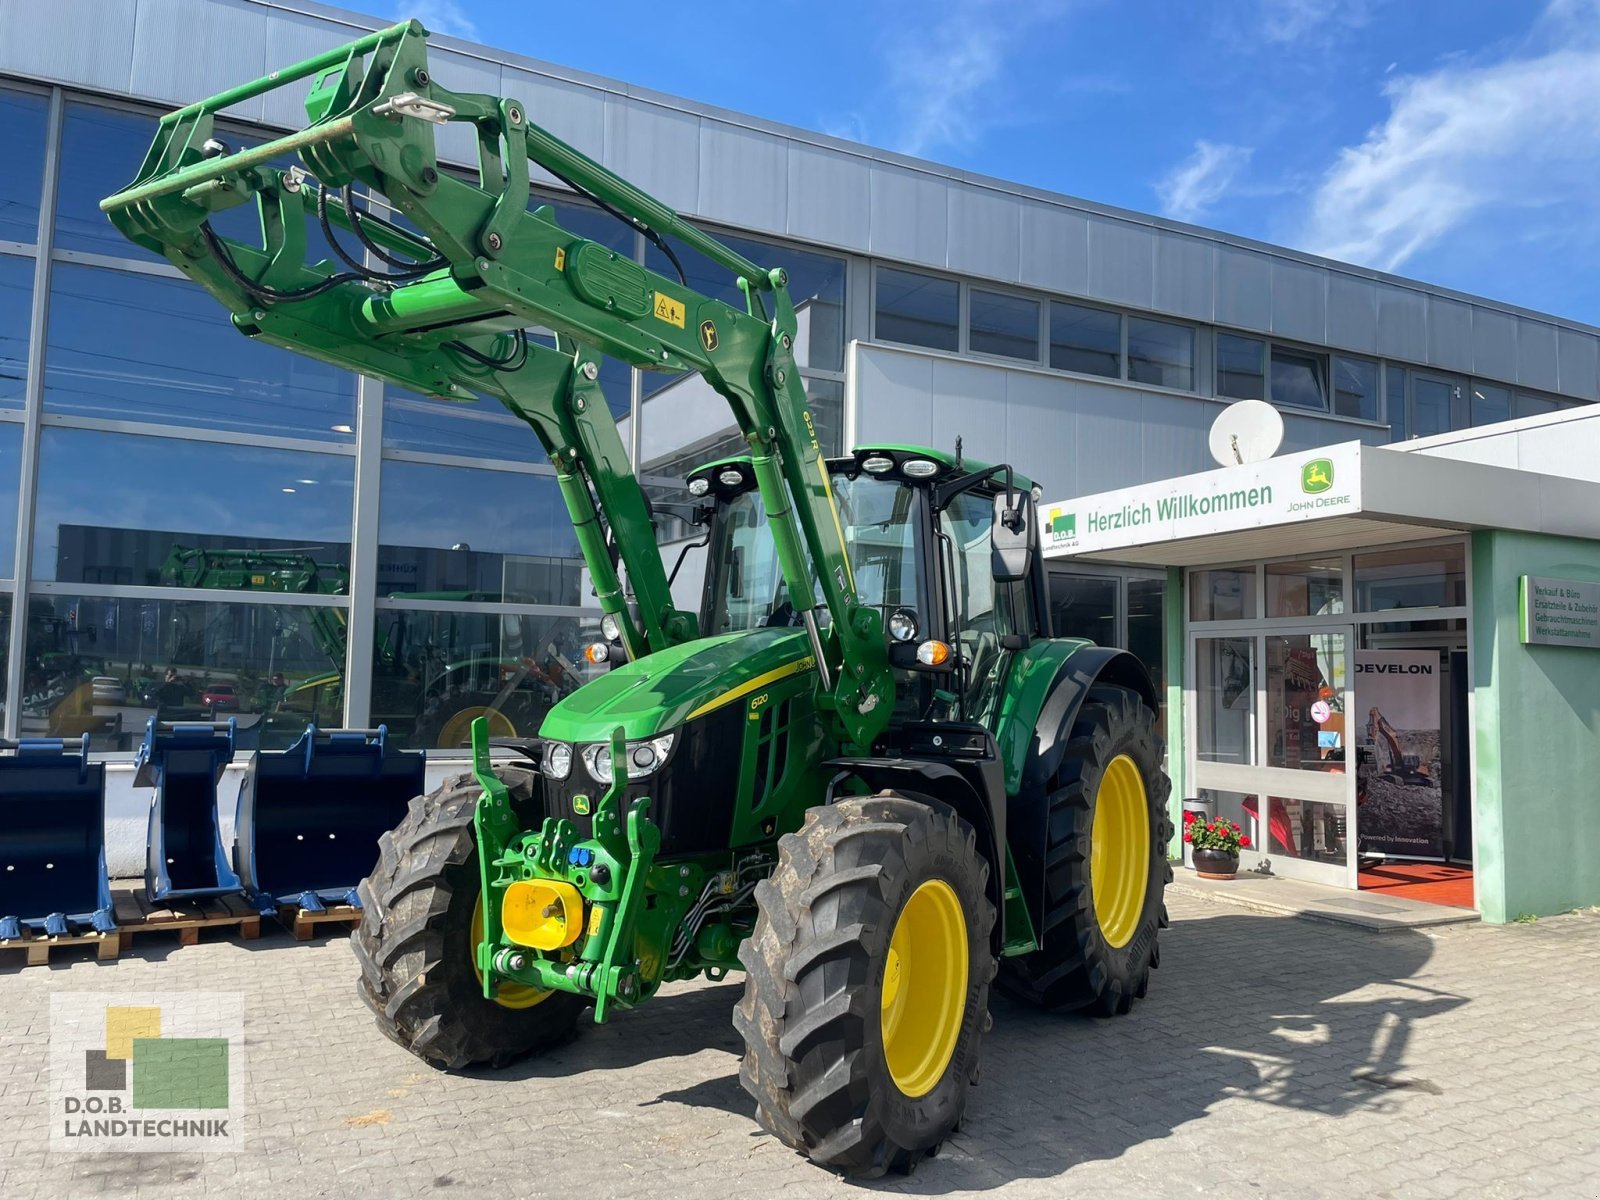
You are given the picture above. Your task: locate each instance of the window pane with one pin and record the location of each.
(1422, 577)
(1239, 371)
(1005, 325)
(1532, 406)
(16, 300)
(1147, 599)
(1228, 594)
(1160, 353)
(1355, 388)
(448, 533)
(141, 348)
(1086, 340)
(1305, 589)
(1225, 700)
(1430, 406)
(918, 310)
(101, 151)
(1305, 669)
(1394, 403)
(1084, 606)
(10, 462)
(105, 666)
(1490, 404)
(22, 116)
(432, 672)
(586, 221)
(1297, 379)
(113, 508)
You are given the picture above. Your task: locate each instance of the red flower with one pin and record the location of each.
(1244, 841)
(1190, 817)
(1235, 826)
(1187, 836)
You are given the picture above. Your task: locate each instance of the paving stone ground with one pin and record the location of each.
(1273, 1057)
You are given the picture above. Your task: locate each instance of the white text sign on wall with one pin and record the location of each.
(1560, 612)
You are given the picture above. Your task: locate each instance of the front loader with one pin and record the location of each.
(865, 775)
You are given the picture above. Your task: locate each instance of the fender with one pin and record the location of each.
(971, 787)
(1029, 808)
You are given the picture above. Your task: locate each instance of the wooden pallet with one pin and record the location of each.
(136, 914)
(303, 923)
(107, 946)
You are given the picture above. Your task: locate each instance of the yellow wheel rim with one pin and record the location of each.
(924, 988)
(1119, 851)
(458, 729)
(507, 995)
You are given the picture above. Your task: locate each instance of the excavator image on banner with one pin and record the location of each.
(1392, 762)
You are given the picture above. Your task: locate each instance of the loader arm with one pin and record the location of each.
(449, 322)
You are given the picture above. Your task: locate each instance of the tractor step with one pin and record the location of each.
(37, 949)
(303, 922)
(137, 913)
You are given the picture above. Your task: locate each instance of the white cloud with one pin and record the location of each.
(1469, 142)
(441, 16)
(1200, 180)
(1294, 20)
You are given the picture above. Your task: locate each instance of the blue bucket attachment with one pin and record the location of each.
(184, 762)
(52, 839)
(310, 816)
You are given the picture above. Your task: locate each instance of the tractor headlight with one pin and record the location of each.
(699, 487)
(644, 758)
(903, 625)
(610, 628)
(556, 761)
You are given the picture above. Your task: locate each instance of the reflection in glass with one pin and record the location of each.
(1225, 697)
(1297, 379)
(1394, 403)
(104, 666)
(451, 533)
(142, 348)
(1533, 406)
(1147, 600)
(22, 116)
(1490, 404)
(1411, 577)
(1003, 325)
(1225, 594)
(1086, 340)
(1430, 405)
(1355, 388)
(16, 300)
(433, 672)
(1307, 829)
(101, 151)
(1084, 606)
(113, 506)
(1306, 676)
(1160, 353)
(1236, 808)
(920, 310)
(1239, 371)
(1313, 588)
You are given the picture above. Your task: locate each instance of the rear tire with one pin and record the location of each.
(1078, 965)
(831, 1052)
(415, 943)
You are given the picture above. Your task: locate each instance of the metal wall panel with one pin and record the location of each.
(985, 233)
(1173, 432)
(1244, 289)
(1299, 301)
(571, 111)
(1041, 432)
(1537, 361)
(1578, 356)
(1184, 281)
(1108, 442)
(1494, 344)
(1352, 313)
(1122, 262)
(457, 141)
(657, 148)
(829, 197)
(893, 392)
(1055, 249)
(291, 38)
(1449, 334)
(89, 42)
(178, 59)
(910, 215)
(969, 402)
(1402, 323)
(744, 177)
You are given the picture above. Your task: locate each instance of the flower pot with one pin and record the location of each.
(1215, 864)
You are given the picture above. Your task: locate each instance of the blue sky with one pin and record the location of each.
(1454, 141)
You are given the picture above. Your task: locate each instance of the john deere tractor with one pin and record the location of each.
(866, 774)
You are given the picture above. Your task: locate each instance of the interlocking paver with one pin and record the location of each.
(1273, 1057)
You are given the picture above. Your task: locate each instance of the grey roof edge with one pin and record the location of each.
(360, 23)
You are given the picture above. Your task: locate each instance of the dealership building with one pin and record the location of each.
(201, 523)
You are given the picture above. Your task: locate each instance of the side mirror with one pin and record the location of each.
(1012, 556)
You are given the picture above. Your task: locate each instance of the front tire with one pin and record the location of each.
(1106, 864)
(867, 991)
(420, 924)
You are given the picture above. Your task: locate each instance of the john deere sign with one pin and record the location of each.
(1287, 488)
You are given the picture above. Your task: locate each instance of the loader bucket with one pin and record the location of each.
(310, 816)
(52, 838)
(184, 762)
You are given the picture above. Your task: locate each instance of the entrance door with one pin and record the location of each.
(1278, 760)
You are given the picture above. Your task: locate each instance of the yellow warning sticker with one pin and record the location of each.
(561, 258)
(596, 915)
(669, 310)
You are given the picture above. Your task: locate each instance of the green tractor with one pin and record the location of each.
(865, 774)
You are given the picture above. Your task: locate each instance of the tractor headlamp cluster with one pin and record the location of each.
(555, 761)
(645, 758)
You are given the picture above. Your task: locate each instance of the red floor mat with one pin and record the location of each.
(1433, 883)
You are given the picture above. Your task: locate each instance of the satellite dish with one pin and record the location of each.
(1246, 432)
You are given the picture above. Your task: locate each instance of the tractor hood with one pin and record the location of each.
(660, 692)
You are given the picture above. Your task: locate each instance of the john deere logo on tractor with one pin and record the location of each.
(708, 336)
(580, 804)
(1316, 476)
